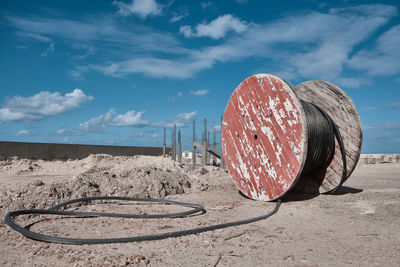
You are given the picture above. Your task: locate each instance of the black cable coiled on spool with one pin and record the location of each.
(321, 139)
(322, 131)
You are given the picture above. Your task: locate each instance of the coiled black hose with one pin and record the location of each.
(53, 210)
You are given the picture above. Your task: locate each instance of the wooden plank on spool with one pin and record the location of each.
(264, 137)
(338, 105)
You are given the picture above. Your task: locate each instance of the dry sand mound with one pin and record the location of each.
(139, 176)
(358, 225)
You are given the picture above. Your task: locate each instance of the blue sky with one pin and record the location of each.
(117, 72)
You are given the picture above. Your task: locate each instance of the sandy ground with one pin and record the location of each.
(359, 225)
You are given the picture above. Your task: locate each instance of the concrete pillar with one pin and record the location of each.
(179, 147)
(194, 146)
(165, 142)
(173, 146)
(222, 155)
(204, 156)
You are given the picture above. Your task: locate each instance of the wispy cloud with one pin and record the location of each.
(217, 128)
(384, 58)
(318, 44)
(381, 137)
(129, 119)
(352, 82)
(180, 120)
(22, 133)
(205, 5)
(216, 29)
(30, 35)
(368, 108)
(141, 8)
(158, 68)
(49, 49)
(41, 105)
(96, 124)
(199, 92)
(395, 125)
(92, 30)
(103, 121)
(394, 105)
(175, 97)
(177, 16)
(77, 73)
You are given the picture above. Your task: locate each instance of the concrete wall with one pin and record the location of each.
(50, 151)
(379, 158)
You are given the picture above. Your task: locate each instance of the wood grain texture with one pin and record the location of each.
(264, 137)
(337, 104)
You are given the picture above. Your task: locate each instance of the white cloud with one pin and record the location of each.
(312, 45)
(177, 16)
(96, 124)
(381, 137)
(90, 31)
(156, 67)
(49, 49)
(41, 105)
(352, 82)
(394, 125)
(204, 5)
(22, 133)
(217, 128)
(103, 121)
(287, 73)
(217, 28)
(317, 44)
(199, 92)
(174, 98)
(130, 118)
(141, 8)
(180, 120)
(384, 58)
(32, 36)
(185, 117)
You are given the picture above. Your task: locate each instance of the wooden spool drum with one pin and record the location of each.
(264, 136)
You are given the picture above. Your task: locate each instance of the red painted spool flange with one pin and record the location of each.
(264, 137)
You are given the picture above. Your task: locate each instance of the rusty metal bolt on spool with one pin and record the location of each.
(275, 137)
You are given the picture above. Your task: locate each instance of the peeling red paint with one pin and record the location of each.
(263, 137)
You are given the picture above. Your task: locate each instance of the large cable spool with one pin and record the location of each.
(266, 135)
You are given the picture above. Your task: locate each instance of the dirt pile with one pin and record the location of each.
(139, 176)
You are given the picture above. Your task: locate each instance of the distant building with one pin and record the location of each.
(187, 154)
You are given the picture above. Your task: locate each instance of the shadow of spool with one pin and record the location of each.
(292, 195)
(295, 195)
(344, 190)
